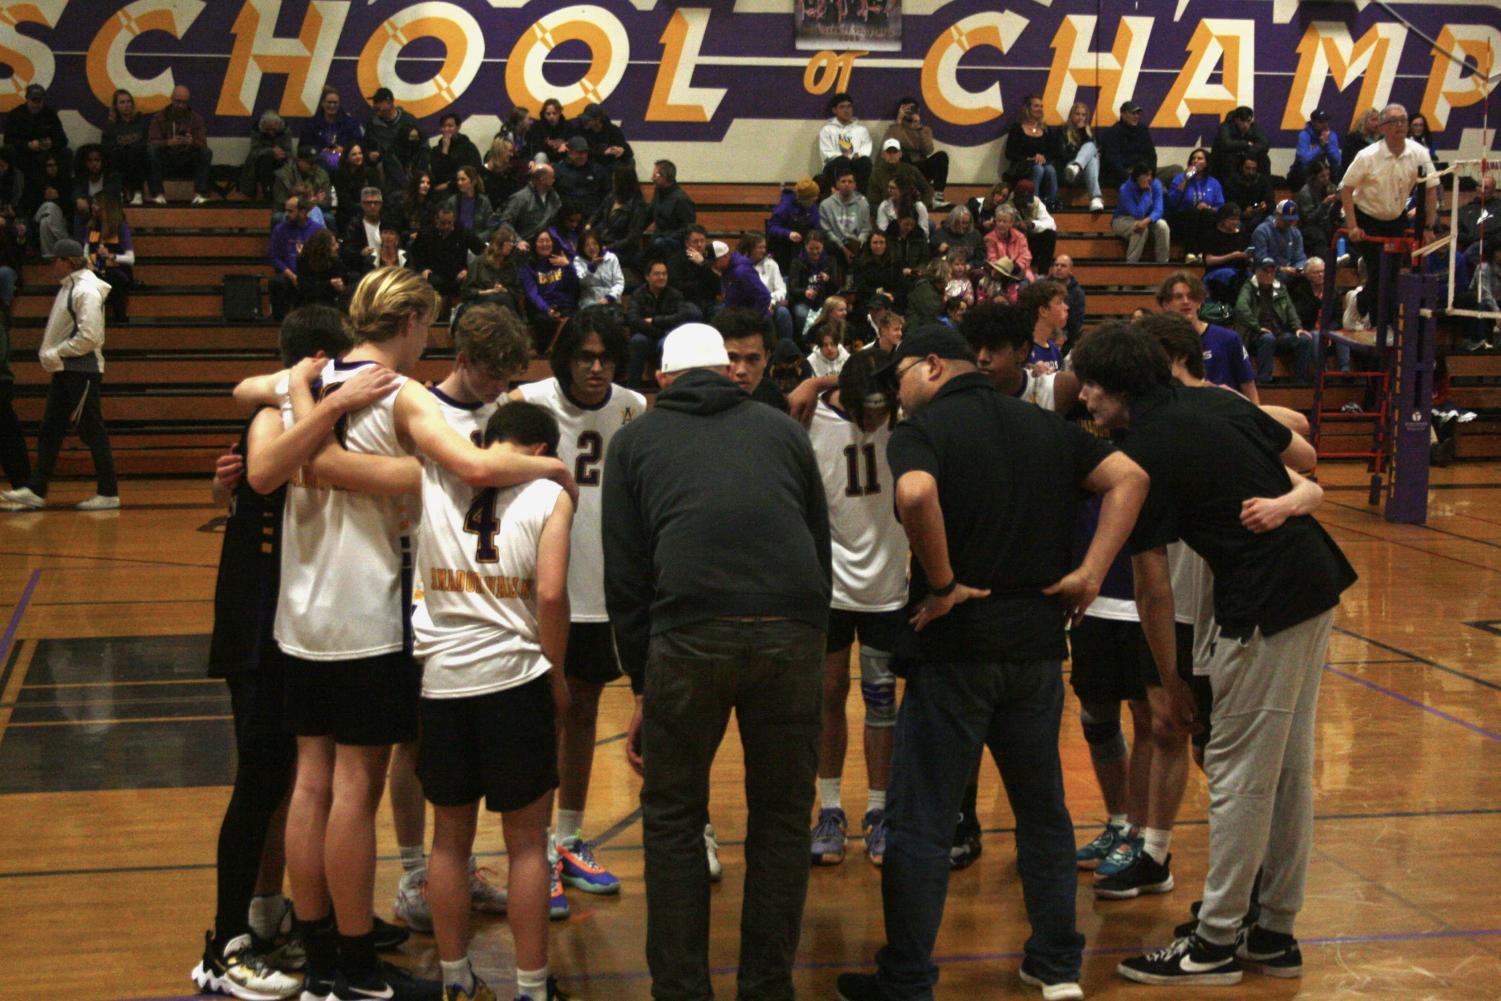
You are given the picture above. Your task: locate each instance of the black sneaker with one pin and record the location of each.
(1188, 960)
(389, 937)
(554, 993)
(966, 848)
(385, 983)
(1269, 952)
(859, 987)
(1143, 875)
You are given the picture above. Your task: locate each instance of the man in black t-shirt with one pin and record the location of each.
(991, 530)
(1220, 483)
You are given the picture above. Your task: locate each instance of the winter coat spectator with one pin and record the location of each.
(33, 129)
(1319, 211)
(470, 204)
(600, 278)
(493, 275)
(1124, 145)
(692, 273)
(177, 143)
(387, 122)
(302, 168)
(321, 278)
(532, 209)
(671, 211)
(620, 219)
(451, 151)
(891, 167)
(816, 274)
(441, 254)
(581, 180)
(607, 143)
(795, 214)
(1237, 139)
(655, 309)
(1251, 189)
(271, 147)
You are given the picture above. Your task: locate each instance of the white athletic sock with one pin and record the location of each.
(266, 913)
(570, 822)
(1156, 843)
(412, 858)
(1119, 822)
(875, 799)
(828, 793)
(532, 984)
(458, 974)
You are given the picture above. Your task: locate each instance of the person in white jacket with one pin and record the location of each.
(72, 351)
(600, 278)
(754, 247)
(844, 144)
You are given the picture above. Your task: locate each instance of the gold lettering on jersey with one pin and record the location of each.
(469, 582)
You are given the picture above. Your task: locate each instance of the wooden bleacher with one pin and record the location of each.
(170, 368)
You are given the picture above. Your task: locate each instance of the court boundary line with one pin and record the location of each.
(1427, 662)
(1408, 700)
(16, 615)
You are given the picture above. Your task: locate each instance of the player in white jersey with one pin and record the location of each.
(353, 692)
(1001, 336)
(850, 430)
(589, 409)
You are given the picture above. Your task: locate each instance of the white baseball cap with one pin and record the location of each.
(895, 144)
(720, 248)
(693, 345)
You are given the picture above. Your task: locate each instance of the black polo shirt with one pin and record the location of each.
(1010, 477)
(1207, 451)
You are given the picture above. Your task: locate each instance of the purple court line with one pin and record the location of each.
(1414, 703)
(15, 616)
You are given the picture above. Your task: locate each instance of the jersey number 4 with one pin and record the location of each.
(480, 521)
(872, 484)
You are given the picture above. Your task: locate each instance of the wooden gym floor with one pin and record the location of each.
(114, 754)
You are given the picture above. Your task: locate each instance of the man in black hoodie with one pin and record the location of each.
(717, 581)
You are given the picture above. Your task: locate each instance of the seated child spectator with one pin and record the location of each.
(829, 353)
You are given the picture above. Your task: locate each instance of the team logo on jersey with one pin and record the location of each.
(626, 415)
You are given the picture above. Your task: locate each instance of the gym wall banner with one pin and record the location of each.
(723, 89)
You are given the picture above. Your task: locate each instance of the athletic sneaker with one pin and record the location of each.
(873, 826)
(580, 868)
(711, 851)
(481, 992)
(241, 972)
(484, 896)
(859, 987)
(23, 497)
(1071, 173)
(557, 900)
(388, 937)
(100, 502)
(386, 983)
(1144, 875)
(1188, 960)
(1061, 991)
(1098, 850)
(829, 836)
(1121, 857)
(966, 847)
(1269, 952)
(554, 993)
(316, 989)
(411, 904)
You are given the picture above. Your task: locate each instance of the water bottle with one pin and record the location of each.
(1340, 249)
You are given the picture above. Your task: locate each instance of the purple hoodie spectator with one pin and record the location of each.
(287, 239)
(548, 287)
(743, 287)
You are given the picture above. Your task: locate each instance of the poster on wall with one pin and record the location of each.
(871, 25)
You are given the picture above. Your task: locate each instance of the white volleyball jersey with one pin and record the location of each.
(1193, 599)
(345, 556)
(468, 420)
(584, 435)
(869, 545)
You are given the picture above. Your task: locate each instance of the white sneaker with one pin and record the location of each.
(136, 199)
(711, 849)
(485, 896)
(1097, 204)
(23, 498)
(242, 973)
(411, 901)
(159, 199)
(1053, 992)
(99, 502)
(1071, 173)
(200, 199)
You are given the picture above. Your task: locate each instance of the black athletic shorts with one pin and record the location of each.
(369, 701)
(1197, 683)
(1111, 660)
(877, 630)
(591, 653)
(502, 746)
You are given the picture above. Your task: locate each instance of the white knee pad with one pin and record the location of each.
(877, 688)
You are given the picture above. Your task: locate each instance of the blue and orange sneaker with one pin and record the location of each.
(581, 870)
(557, 902)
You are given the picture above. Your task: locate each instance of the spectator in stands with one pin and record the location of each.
(532, 209)
(493, 276)
(89, 176)
(983, 209)
(1251, 190)
(452, 150)
(844, 144)
(12, 187)
(1138, 215)
(795, 214)
(692, 273)
(829, 353)
(754, 247)
(884, 327)
(391, 254)
(833, 313)
(1485, 203)
(418, 207)
(470, 204)
(740, 285)
(1265, 316)
(1316, 141)
(548, 136)
(898, 200)
(551, 287)
(925, 298)
(607, 143)
(441, 254)
(957, 235)
(600, 278)
(124, 140)
(1318, 210)
(909, 249)
(1193, 202)
(504, 170)
(917, 149)
(288, 237)
(304, 168)
(815, 275)
(1280, 239)
(620, 218)
(1124, 145)
(844, 216)
(1484, 333)
(671, 212)
(33, 129)
(177, 144)
(891, 167)
(321, 278)
(12, 261)
(1417, 131)
(1032, 148)
(655, 309)
(1062, 272)
(1078, 155)
(875, 272)
(1036, 224)
(582, 180)
(387, 122)
(331, 130)
(54, 201)
(1227, 255)
(271, 146)
(361, 243)
(410, 153)
(567, 226)
(353, 176)
(111, 252)
(1237, 139)
(1308, 295)
(1357, 139)
(1226, 362)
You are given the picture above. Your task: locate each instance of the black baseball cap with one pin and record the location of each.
(930, 339)
(35, 92)
(382, 94)
(1130, 108)
(1319, 115)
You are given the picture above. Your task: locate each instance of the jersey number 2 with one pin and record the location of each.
(480, 521)
(872, 483)
(586, 466)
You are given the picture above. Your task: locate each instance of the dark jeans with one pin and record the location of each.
(644, 349)
(935, 168)
(282, 292)
(770, 672)
(73, 398)
(948, 712)
(1044, 246)
(1369, 297)
(14, 461)
(182, 161)
(1269, 345)
(129, 164)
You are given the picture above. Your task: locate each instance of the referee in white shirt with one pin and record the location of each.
(1374, 193)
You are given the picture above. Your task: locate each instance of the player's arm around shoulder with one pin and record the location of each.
(553, 611)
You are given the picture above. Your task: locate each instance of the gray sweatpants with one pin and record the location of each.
(1259, 762)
